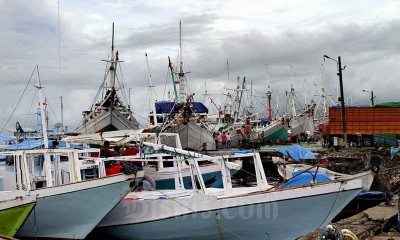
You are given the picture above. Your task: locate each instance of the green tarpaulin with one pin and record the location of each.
(388, 104)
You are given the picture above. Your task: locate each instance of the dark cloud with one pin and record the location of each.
(29, 31)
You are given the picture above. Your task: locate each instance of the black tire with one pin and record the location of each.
(367, 142)
(375, 168)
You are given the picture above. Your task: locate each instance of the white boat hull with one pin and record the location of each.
(165, 178)
(281, 214)
(72, 211)
(10, 199)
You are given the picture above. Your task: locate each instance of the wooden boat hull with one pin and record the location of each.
(302, 124)
(107, 121)
(274, 214)
(13, 213)
(192, 137)
(72, 211)
(275, 131)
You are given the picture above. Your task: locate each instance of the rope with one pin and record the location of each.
(30, 109)
(334, 202)
(95, 99)
(15, 108)
(34, 222)
(51, 108)
(214, 223)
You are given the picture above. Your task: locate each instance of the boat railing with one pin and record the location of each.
(191, 160)
(39, 168)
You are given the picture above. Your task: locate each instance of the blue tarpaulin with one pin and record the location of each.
(376, 193)
(297, 152)
(236, 152)
(199, 107)
(26, 144)
(172, 107)
(4, 138)
(304, 178)
(32, 143)
(166, 107)
(394, 151)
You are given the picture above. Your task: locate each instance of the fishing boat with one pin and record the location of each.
(300, 123)
(294, 168)
(109, 110)
(187, 121)
(72, 200)
(73, 192)
(261, 129)
(161, 174)
(183, 115)
(276, 130)
(14, 209)
(273, 129)
(257, 212)
(288, 171)
(164, 176)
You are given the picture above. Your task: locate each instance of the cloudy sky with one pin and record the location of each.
(277, 43)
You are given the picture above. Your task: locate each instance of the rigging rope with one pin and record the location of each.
(30, 108)
(217, 223)
(15, 108)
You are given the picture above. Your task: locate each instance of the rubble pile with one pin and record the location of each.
(389, 175)
(379, 220)
(348, 161)
(352, 161)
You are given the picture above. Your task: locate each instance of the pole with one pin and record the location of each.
(372, 98)
(342, 102)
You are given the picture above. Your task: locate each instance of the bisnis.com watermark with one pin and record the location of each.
(164, 209)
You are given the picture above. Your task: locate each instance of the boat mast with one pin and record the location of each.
(150, 86)
(269, 97)
(113, 62)
(236, 102)
(228, 103)
(205, 94)
(292, 106)
(59, 68)
(42, 112)
(47, 161)
(181, 74)
(240, 98)
(173, 78)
